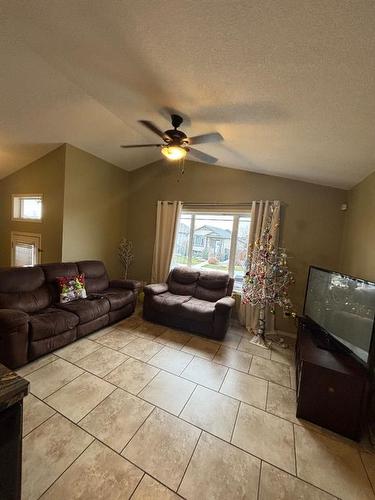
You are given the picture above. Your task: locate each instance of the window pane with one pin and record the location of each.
(241, 251)
(31, 208)
(181, 249)
(212, 241)
(24, 255)
(208, 244)
(27, 207)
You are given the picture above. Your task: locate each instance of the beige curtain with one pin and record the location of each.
(167, 217)
(260, 211)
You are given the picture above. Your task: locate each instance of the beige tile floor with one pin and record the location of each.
(145, 412)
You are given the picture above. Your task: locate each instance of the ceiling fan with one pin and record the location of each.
(177, 144)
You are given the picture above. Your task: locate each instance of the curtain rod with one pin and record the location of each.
(243, 204)
(230, 204)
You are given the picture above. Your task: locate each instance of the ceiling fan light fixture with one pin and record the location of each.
(174, 152)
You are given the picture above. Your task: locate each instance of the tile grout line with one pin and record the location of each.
(251, 362)
(136, 432)
(148, 383)
(187, 466)
(222, 382)
(295, 450)
(192, 359)
(53, 392)
(44, 421)
(36, 369)
(260, 478)
(267, 391)
(365, 468)
(139, 482)
(188, 399)
(82, 452)
(100, 402)
(235, 423)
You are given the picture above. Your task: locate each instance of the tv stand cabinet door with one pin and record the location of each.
(330, 399)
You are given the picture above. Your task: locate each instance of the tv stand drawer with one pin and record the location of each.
(330, 399)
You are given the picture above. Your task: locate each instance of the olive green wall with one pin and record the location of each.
(43, 176)
(95, 204)
(358, 249)
(312, 222)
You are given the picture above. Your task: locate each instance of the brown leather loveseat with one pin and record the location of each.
(33, 322)
(192, 299)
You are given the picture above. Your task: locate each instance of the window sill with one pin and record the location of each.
(26, 220)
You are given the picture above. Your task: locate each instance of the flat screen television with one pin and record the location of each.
(342, 308)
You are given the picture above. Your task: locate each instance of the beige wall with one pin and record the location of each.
(43, 176)
(95, 206)
(312, 221)
(358, 249)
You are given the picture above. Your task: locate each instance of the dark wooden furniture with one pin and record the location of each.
(12, 391)
(332, 387)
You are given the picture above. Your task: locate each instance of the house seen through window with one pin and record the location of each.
(213, 241)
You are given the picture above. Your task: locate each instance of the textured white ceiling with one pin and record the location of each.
(289, 84)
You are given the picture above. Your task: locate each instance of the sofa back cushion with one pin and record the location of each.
(213, 285)
(96, 276)
(183, 281)
(58, 270)
(24, 289)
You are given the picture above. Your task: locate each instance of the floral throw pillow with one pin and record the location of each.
(71, 288)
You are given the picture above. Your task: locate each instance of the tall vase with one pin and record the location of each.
(260, 337)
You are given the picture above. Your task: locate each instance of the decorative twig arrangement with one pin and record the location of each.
(125, 253)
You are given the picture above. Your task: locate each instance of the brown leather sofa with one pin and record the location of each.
(194, 300)
(33, 322)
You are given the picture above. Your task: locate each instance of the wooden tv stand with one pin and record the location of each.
(332, 387)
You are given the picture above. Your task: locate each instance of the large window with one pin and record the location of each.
(213, 241)
(27, 207)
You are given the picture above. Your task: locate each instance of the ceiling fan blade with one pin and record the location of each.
(205, 138)
(140, 145)
(202, 156)
(154, 129)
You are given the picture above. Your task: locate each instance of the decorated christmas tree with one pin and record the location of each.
(267, 280)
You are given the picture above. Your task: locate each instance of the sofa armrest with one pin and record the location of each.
(156, 289)
(12, 318)
(128, 284)
(225, 304)
(14, 337)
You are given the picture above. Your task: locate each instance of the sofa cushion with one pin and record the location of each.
(183, 281)
(118, 297)
(168, 302)
(87, 309)
(212, 285)
(195, 309)
(24, 289)
(95, 275)
(51, 322)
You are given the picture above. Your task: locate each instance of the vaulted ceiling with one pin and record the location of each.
(289, 84)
